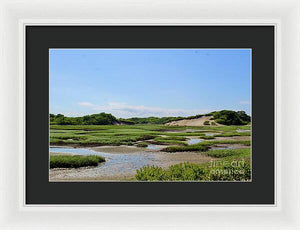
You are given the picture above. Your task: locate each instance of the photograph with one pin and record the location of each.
(150, 115)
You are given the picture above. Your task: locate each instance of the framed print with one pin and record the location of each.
(140, 109)
(34, 79)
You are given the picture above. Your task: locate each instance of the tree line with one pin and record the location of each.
(225, 117)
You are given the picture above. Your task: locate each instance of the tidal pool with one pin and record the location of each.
(193, 141)
(152, 147)
(210, 134)
(116, 164)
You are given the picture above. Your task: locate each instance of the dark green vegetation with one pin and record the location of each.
(108, 119)
(94, 119)
(234, 166)
(225, 117)
(206, 123)
(228, 117)
(76, 161)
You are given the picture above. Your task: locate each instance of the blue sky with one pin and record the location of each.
(149, 82)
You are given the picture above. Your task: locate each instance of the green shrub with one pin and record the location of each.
(240, 171)
(206, 123)
(228, 117)
(186, 172)
(151, 173)
(75, 161)
(94, 119)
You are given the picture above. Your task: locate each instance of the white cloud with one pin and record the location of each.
(125, 111)
(86, 104)
(245, 102)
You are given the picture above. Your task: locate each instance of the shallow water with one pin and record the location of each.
(225, 147)
(152, 147)
(193, 141)
(243, 130)
(116, 164)
(210, 134)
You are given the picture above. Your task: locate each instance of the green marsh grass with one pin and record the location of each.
(233, 165)
(75, 161)
(196, 172)
(220, 153)
(114, 135)
(203, 146)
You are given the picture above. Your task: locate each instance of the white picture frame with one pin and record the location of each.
(14, 15)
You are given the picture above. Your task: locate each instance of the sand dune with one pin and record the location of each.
(191, 122)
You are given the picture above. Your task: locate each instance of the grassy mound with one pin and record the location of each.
(142, 145)
(229, 117)
(75, 161)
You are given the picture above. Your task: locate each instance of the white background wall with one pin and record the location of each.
(284, 12)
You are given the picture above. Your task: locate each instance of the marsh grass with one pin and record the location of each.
(232, 134)
(203, 146)
(169, 140)
(75, 161)
(233, 165)
(97, 135)
(196, 172)
(185, 134)
(220, 153)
